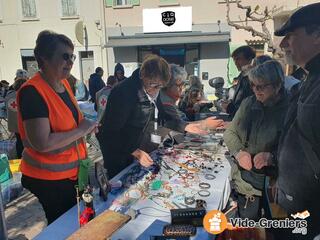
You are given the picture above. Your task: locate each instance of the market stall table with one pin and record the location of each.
(196, 169)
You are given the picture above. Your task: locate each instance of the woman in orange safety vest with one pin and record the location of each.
(51, 127)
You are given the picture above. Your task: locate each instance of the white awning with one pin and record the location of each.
(133, 36)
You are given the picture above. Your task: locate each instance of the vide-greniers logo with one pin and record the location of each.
(168, 18)
(215, 222)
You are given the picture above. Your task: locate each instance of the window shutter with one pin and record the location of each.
(69, 8)
(109, 3)
(72, 8)
(135, 2)
(29, 8)
(168, 1)
(64, 4)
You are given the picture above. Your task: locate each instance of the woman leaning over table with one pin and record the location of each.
(253, 135)
(51, 127)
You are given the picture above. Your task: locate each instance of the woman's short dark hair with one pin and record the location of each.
(248, 52)
(98, 69)
(47, 43)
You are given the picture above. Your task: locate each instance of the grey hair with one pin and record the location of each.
(177, 72)
(260, 60)
(270, 71)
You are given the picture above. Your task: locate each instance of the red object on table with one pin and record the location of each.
(86, 216)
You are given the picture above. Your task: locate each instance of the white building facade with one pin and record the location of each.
(22, 20)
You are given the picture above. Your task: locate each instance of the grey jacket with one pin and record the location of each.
(266, 123)
(298, 190)
(170, 107)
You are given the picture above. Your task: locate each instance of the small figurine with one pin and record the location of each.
(88, 213)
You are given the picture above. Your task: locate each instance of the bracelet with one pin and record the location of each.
(204, 193)
(209, 176)
(189, 200)
(204, 185)
(182, 171)
(189, 176)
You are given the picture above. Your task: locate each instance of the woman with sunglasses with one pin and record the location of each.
(253, 135)
(51, 127)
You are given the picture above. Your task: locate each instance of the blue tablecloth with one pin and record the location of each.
(143, 225)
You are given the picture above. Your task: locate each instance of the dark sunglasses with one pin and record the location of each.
(260, 87)
(67, 56)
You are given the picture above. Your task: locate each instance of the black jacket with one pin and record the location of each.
(242, 91)
(119, 67)
(128, 113)
(95, 84)
(298, 188)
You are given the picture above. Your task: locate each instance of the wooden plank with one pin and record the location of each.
(101, 227)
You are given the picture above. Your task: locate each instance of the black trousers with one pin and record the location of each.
(19, 145)
(55, 196)
(114, 164)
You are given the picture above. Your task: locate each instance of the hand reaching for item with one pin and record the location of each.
(213, 123)
(143, 158)
(195, 128)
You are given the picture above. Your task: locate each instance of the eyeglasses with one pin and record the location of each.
(260, 87)
(67, 56)
(195, 93)
(155, 85)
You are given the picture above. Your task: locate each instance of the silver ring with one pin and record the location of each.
(204, 193)
(209, 176)
(204, 185)
(182, 171)
(189, 200)
(190, 176)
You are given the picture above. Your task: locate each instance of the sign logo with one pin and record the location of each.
(215, 222)
(168, 18)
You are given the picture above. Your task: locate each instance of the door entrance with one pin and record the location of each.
(186, 55)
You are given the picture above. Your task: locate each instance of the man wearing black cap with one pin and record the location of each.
(298, 179)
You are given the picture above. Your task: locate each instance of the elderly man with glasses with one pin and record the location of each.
(171, 93)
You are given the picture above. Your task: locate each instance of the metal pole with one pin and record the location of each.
(3, 227)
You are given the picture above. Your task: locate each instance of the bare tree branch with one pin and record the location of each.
(255, 16)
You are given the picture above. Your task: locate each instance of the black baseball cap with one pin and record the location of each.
(304, 16)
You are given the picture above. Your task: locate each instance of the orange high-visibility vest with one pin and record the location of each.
(61, 163)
